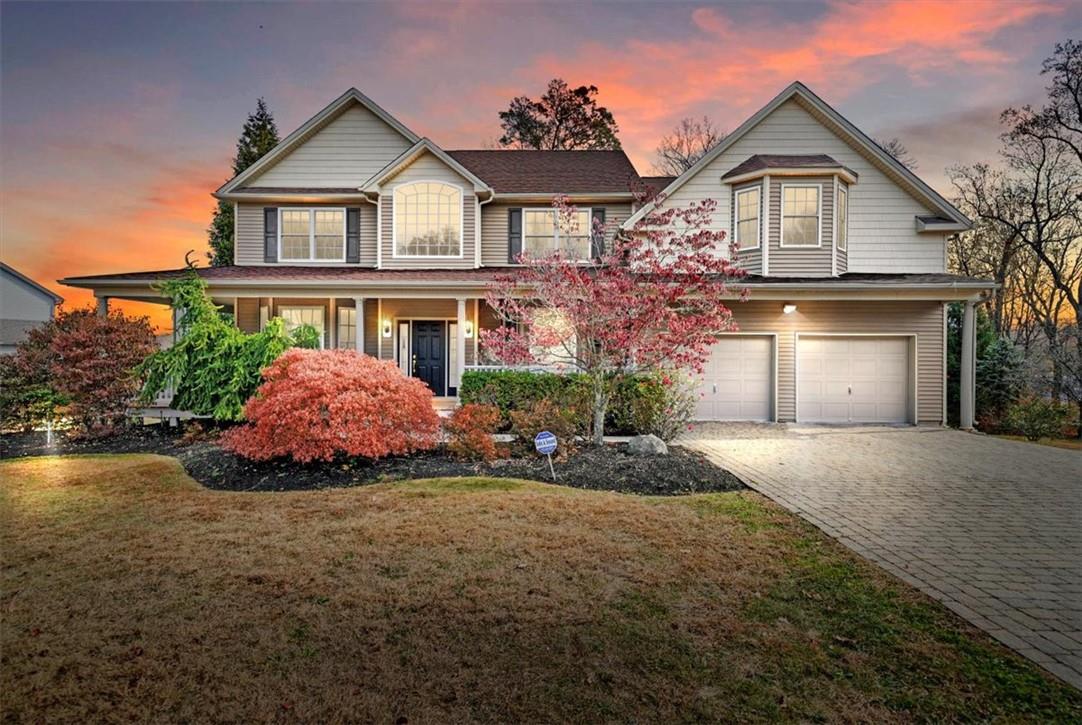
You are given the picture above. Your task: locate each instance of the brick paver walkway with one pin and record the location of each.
(991, 528)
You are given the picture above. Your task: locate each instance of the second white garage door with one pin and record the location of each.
(853, 379)
(738, 380)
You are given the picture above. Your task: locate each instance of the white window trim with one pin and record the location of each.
(312, 234)
(394, 222)
(758, 218)
(322, 313)
(818, 214)
(556, 227)
(843, 239)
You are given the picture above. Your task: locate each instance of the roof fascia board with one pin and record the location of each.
(329, 112)
(923, 226)
(839, 171)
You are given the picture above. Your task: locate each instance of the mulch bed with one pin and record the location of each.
(609, 468)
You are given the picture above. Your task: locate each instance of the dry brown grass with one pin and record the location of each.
(131, 593)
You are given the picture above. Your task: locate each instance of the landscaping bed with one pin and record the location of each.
(609, 468)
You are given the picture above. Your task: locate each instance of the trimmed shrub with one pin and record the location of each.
(318, 404)
(662, 405)
(470, 430)
(543, 415)
(510, 390)
(1036, 418)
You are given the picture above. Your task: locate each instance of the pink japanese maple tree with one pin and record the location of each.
(652, 300)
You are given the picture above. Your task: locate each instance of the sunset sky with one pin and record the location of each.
(117, 121)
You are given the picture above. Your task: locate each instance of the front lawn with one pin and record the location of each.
(1070, 444)
(129, 592)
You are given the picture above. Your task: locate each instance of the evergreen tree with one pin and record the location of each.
(260, 135)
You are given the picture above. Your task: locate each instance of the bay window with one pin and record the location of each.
(544, 232)
(747, 218)
(312, 235)
(428, 220)
(800, 211)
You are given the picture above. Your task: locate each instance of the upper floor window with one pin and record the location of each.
(544, 232)
(428, 220)
(747, 218)
(312, 235)
(842, 208)
(800, 215)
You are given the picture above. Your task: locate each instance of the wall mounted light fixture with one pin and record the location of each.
(469, 329)
(788, 308)
(386, 328)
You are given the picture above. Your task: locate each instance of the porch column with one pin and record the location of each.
(968, 369)
(460, 342)
(103, 306)
(359, 319)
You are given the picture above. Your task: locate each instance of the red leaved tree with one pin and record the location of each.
(90, 361)
(653, 300)
(316, 404)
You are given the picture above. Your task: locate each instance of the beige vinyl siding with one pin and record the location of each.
(923, 319)
(429, 168)
(843, 261)
(801, 261)
(882, 233)
(345, 152)
(249, 229)
(494, 251)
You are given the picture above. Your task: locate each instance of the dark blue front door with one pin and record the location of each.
(429, 353)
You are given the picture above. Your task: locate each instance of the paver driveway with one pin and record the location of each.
(992, 528)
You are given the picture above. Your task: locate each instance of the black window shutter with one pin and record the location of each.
(353, 235)
(270, 234)
(597, 233)
(514, 235)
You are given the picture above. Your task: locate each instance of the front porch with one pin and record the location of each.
(432, 338)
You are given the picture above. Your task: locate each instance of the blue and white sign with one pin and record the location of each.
(545, 442)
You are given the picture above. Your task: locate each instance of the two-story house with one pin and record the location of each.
(385, 242)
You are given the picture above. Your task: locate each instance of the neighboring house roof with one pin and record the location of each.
(423, 146)
(57, 299)
(514, 171)
(840, 125)
(255, 274)
(311, 126)
(762, 162)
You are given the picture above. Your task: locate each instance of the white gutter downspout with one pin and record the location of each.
(477, 232)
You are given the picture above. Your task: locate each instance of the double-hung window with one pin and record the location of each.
(843, 218)
(295, 316)
(800, 215)
(747, 218)
(428, 220)
(347, 328)
(312, 235)
(545, 232)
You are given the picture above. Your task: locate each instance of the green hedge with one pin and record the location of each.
(511, 390)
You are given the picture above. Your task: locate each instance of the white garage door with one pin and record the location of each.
(852, 379)
(738, 380)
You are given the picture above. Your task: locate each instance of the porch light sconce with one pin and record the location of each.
(386, 328)
(788, 308)
(469, 329)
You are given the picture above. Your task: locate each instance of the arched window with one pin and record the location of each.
(428, 220)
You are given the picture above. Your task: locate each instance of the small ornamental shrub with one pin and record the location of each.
(662, 405)
(543, 415)
(470, 430)
(318, 404)
(1035, 418)
(26, 401)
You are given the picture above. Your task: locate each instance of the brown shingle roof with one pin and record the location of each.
(759, 162)
(511, 171)
(301, 272)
